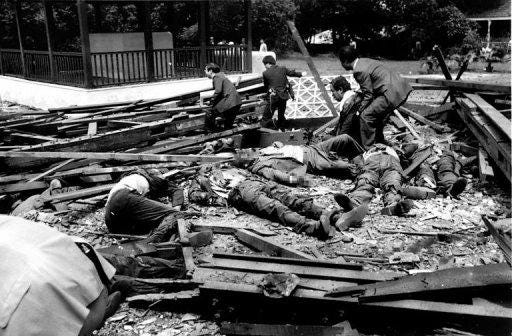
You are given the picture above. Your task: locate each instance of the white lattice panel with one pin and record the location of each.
(308, 101)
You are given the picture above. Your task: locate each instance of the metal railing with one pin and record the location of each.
(120, 67)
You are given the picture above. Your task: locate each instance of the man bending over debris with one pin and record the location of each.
(128, 210)
(288, 164)
(51, 284)
(380, 168)
(383, 90)
(225, 100)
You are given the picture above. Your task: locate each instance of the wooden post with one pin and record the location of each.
(202, 33)
(84, 39)
(311, 65)
(489, 33)
(145, 17)
(17, 12)
(49, 24)
(248, 13)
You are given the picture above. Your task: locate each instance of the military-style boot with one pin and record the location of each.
(345, 202)
(352, 218)
(398, 209)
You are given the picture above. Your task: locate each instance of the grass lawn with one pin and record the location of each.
(330, 65)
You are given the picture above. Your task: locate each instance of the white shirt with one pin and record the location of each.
(132, 182)
(288, 151)
(355, 64)
(263, 47)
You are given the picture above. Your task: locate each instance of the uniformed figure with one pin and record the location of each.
(383, 90)
(277, 86)
(225, 101)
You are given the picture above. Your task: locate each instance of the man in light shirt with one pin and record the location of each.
(350, 101)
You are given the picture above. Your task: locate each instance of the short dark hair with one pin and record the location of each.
(213, 67)
(269, 60)
(347, 54)
(340, 83)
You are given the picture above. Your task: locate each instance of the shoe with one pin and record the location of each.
(344, 201)
(320, 229)
(398, 209)
(457, 187)
(352, 218)
(415, 192)
(113, 302)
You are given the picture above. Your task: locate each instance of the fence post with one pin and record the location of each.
(247, 5)
(145, 19)
(84, 38)
(202, 35)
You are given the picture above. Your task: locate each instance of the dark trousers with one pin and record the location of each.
(131, 213)
(372, 120)
(200, 191)
(317, 156)
(228, 117)
(448, 171)
(275, 103)
(349, 124)
(276, 203)
(380, 170)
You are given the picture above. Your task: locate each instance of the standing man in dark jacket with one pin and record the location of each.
(383, 90)
(225, 100)
(276, 85)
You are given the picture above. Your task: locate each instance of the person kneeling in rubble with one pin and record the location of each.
(129, 210)
(52, 284)
(288, 164)
(380, 167)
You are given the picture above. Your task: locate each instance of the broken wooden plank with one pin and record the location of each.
(121, 169)
(499, 120)
(409, 126)
(494, 142)
(92, 129)
(26, 138)
(22, 187)
(425, 154)
(436, 111)
(484, 168)
(51, 170)
(228, 328)
(461, 85)
(113, 156)
(444, 282)
(288, 261)
(503, 241)
(82, 193)
(186, 248)
(268, 246)
(311, 65)
(330, 124)
(440, 58)
(302, 271)
(96, 178)
(267, 137)
(464, 148)
(416, 116)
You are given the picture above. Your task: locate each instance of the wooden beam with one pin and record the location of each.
(462, 85)
(22, 187)
(417, 117)
(101, 171)
(311, 65)
(17, 13)
(307, 262)
(51, 170)
(484, 168)
(499, 120)
(501, 238)
(229, 328)
(418, 161)
(49, 24)
(85, 42)
(270, 247)
(144, 10)
(186, 248)
(248, 21)
(202, 34)
(439, 55)
(496, 144)
(406, 123)
(113, 156)
(77, 194)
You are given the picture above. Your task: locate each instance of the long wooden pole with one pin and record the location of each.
(86, 44)
(17, 12)
(311, 65)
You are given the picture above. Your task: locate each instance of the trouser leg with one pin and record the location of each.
(372, 120)
(249, 196)
(301, 204)
(209, 119)
(128, 212)
(266, 120)
(229, 116)
(281, 119)
(425, 173)
(448, 170)
(343, 145)
(365, 187)
(391, 179)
